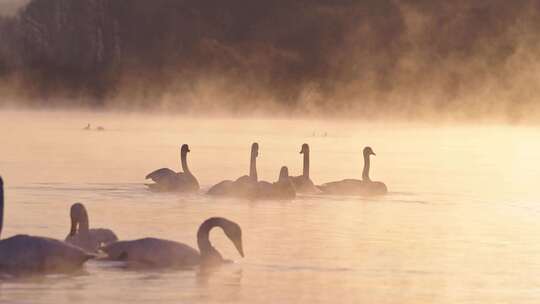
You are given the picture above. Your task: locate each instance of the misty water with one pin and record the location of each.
(460, 224)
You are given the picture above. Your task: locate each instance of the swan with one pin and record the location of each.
(357, 187)
(31, 254)
(155, 252)
(303, 183)
(81, 236)
(166, 179)
(282, 189)
(245, 186)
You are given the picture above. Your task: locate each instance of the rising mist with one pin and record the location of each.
(369, 58)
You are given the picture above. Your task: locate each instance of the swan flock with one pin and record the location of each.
(35, 254)
(250, 187)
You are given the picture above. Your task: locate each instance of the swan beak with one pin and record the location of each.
(373, 153)
(239, 247)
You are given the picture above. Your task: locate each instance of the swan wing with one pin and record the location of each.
(153, 252)
(304, 185)
(24, 254)
(345, 186)
(277, 190)
(354, 187)
(221, 188)
(160, 175)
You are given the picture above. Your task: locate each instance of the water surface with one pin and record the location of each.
(460, 224)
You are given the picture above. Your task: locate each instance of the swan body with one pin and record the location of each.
(81, 236)
(354, 187)
(154, 252)
(282, 189)
(166, 180)
(245, 186)
(357, 187)
(303, 183)
(32, 254)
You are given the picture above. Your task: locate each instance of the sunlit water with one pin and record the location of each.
(460, 224)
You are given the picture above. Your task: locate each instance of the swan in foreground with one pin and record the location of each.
(282, 189)
(30, 254)
(81, 236)
(245, 186)
(303, 183)
(357, 187)
(167, 180)
(154, 252)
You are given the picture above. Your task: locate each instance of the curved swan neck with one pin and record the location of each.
(203, 236)
(1, 205)
(365, 172)
(253, 166)
(305, 172)
(185, 167)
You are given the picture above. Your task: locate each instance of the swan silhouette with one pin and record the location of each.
(303, 183)
(357, 187)
(21, 254)
(155, 252)
(282, 189)
(166, 179)
(81, 236)
(245, 186)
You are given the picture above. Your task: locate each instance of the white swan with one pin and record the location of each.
(245, 186)
(167, 180)
(303, 183)
(155, 252)
(282, 189)
(81, 236)
(22, 254)
(357, 187)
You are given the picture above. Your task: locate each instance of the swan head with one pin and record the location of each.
(234, 233)
(185, 149)
(255, 149)
(368, 151)
(305, 149)
(77, 213)
(283, 173)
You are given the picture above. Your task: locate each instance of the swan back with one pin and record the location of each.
(29, 254)
(153, 252)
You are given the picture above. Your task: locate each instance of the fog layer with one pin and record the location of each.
(361, 58)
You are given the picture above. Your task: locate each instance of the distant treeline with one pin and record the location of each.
(322, 53)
